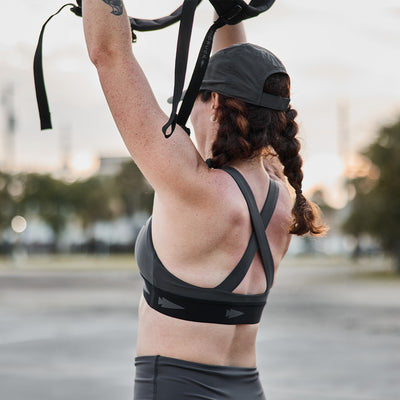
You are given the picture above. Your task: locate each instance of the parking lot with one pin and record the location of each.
(68, 330)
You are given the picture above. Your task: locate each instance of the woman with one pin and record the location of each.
(207, 264)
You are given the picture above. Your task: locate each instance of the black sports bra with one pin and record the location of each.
(172, 296)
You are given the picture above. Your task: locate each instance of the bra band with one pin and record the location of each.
(191, 309)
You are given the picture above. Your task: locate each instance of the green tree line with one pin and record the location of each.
(56, 201)
(375, 209)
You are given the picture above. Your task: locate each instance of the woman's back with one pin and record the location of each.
(195, 331)
(201, 245)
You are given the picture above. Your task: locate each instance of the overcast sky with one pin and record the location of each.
(340, 54)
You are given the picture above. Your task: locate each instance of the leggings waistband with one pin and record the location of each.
(165, 378)
(162, 360)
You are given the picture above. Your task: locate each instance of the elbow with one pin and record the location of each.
(101, 55)
(107, 54)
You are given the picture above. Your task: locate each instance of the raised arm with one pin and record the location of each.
(228, 35)
(170, 165)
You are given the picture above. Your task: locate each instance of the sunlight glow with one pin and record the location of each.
(326, 171)
(322, 168)
(18, 224)
(84, 163)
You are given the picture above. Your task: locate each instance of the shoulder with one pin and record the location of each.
(278, 228)
(212, 192)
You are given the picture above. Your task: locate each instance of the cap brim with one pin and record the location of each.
(169, 100)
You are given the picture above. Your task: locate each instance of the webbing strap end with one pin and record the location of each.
(170, 125)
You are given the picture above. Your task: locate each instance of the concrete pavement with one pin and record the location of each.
(327, 334)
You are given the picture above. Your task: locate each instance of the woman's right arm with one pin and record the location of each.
(173, 167)
(228, 35)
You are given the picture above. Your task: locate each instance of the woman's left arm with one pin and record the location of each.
(170, 165)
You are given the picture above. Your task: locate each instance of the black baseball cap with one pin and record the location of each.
(240, 71)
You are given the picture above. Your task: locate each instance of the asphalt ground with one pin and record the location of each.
(330, 331)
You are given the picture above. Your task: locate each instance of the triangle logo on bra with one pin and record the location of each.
(231, 313)
(164, 303)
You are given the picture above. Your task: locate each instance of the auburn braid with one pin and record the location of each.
(306, 214)
(240, 135)
(247, 131)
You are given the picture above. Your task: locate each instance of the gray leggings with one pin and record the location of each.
(164, 378)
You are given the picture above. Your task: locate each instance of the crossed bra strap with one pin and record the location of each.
(259, 222)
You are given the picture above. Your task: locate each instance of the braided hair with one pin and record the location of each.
(247, 131)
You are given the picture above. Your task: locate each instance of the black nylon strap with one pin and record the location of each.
(199, 71)
(182, 53)
(257, 222)
(144, 25)
(198, 75)
(254, 8)
(230, 12)
(41, 96)
(240, 271)
(40, 89)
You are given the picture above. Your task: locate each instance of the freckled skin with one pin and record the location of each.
(201, 225)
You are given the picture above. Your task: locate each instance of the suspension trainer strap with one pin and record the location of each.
(144, 25)
(182, 53)
(229, 11)
(201, 66)
(41, 96)
(254, 8)
(136, 24)
(197, 78)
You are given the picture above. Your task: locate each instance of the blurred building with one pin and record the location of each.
(111, 165)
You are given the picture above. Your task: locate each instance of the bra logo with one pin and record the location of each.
(231, 313)
(164, 303)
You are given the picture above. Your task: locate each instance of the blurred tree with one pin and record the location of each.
(318, 197)
(6, 202)
(91, 202)
(134, 191)
(375, 209)
(56, 201)
(45, 196)
(91, 199)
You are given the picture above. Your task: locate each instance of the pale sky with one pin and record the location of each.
(342, 53)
